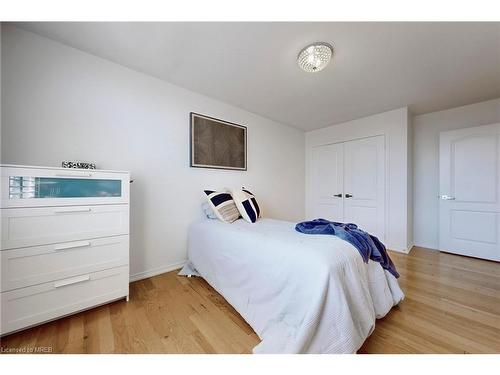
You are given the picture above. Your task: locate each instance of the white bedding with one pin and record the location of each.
(300, 293)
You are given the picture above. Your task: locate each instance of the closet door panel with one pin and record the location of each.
(364, 184)
(327, 182)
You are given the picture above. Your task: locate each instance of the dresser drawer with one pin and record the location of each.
(39, 264)
(36, 187)
(23, 227)
(36, 304)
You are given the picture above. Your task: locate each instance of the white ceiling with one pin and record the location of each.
(376, 66)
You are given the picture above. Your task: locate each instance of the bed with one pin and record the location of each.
(300, 293)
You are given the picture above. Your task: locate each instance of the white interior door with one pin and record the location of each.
(327, 182)
(364, 184)
(469, 206)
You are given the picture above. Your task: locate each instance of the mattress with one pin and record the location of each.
(300, 293)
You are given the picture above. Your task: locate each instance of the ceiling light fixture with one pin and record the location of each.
(315, 57)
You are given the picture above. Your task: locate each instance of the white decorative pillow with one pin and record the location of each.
(247, 204)
(223, 205)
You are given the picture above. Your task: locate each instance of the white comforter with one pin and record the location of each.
(300, 293)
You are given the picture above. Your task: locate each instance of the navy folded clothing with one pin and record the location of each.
(368, 246)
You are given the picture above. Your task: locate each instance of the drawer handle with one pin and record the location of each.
(73, 280)
(72, 245)
(73, 210)
(83, 174)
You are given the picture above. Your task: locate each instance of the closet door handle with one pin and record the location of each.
(348, 196)
(338, 195)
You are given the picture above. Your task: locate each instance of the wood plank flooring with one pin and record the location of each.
(452, 305)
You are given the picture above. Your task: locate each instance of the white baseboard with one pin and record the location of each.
(410, 246)
(429, 246)
(405, 249)
(157, 271)
(397, 248)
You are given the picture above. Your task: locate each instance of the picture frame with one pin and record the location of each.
(216, 143)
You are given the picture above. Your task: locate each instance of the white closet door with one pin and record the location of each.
(364, 184)
(327, 182)
(469, 208)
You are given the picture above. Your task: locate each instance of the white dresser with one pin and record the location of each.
(64, 242)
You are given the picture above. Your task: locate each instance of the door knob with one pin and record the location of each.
(348, 196)
(446, 198)
(338, 195)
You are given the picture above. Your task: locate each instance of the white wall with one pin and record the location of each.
(63, 104)
(426, 129)
(394, 125)
(0, 87)
(409, 182)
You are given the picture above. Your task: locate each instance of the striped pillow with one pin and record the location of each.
(247, 204)
(223, 205)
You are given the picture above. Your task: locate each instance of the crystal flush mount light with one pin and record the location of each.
(315, 57)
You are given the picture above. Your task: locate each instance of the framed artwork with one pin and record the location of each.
(217, 143)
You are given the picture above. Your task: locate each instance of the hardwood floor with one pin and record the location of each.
(452, 305)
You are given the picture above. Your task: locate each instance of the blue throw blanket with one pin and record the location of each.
(368, 246)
